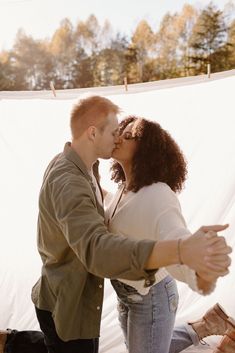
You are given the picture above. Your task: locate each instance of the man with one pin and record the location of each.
(78, 251)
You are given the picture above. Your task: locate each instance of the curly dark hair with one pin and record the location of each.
(158, 158)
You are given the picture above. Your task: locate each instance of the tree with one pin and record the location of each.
(63, 49)
(82, 70)
(31, 63)
(7, 81)
(109, 67)
(92, 40)
(142, 42)
(166, 60)
(208, 37)
(131, 64)
(87, 34)
(184, 23)
(231, 45)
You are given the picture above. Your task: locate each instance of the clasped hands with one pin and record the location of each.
(208, 254)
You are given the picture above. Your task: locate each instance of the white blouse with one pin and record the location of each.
(153, 212)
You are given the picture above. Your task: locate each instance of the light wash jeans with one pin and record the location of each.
(147, 321)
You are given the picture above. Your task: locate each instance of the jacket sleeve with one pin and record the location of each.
(102, 253)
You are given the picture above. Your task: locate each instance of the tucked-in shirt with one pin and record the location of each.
(78, 251)
(154, 212)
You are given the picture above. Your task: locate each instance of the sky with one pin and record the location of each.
(40, 18)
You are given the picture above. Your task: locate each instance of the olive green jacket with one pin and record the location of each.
(77, 250)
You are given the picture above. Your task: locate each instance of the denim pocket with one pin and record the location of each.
(172, 294)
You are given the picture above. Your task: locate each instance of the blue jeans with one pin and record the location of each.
(147, 321)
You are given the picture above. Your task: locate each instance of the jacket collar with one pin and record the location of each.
(71, 155)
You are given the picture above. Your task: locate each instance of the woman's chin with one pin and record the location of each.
(115, 157)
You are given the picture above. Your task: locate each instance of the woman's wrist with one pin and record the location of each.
(179, 252)
(205, 286)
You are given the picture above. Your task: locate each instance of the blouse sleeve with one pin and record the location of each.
(170, 224)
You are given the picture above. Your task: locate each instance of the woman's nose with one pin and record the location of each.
(118, 139)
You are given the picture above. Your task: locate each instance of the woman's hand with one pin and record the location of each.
(207, 253)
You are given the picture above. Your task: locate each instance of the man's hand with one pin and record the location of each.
(207, 253)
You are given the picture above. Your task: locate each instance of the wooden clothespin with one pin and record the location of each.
(125, 83)
(53, 88)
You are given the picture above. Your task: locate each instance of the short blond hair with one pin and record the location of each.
(91, 111)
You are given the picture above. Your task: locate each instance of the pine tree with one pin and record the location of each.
(208, 37)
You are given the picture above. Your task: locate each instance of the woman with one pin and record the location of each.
(150, 168)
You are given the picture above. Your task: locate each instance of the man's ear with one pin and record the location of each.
(91, 133)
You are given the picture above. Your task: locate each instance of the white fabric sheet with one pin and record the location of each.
(201, 117)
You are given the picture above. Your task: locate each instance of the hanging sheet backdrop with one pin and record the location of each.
(198, 112)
